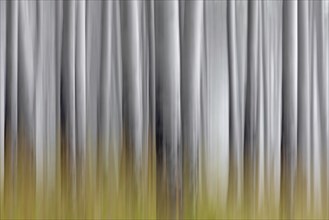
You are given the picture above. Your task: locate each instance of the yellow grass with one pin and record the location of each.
(102, 192)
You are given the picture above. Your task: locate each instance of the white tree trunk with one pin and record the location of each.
(3, 33)
(105, 84)
(190, 97)
(304, 104)
(93, 64)
(217, 150)
(81, 100)
(132, 85)
(11, 100)
(235, 159)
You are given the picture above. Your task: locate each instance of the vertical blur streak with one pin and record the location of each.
(132, 85)
(11, 105)
(105, 84)
(289, 107)
(216, 156)
(168, 108)
(2, 95)
(251, 135)
(191, 98)
(81, 109)
(304, 99)
(235, 175)
(322, 86)
(68, 100)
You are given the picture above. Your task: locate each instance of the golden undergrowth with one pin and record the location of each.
(102, 191)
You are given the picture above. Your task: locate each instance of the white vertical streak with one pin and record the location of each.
(304, 104)
(116, 123)
(11, 92)
(235, 158)
(261, 116)
(133, 81)
(191, 100)
(2, 94)
(217, 152)
(81, 94)
(93, 57)
(105, 90)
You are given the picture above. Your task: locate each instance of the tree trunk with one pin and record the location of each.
(168, 108)
(235, 175)
(251, 116)
(190, 99)
(11, 105)
(289, 107)
(80, 100)
(304, 104)
(68, 97)
(217, 150)
(3, 15)
(322, 85)
(105, 85)
(132, 85)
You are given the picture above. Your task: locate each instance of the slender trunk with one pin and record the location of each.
(80, 99)
(49, 30)
(93, 69)
(266, 27)
(316, 113)
(217, 151)
(151, 47)
(105, 84)
(132, 85)
(304, 104)
(235, 112)
(40, 93)
(168, 107)
(3, 15)
(190, 97)
(289, 107)
(145, 77)
(322, 85)
(44, 98)
(11, 104)
(68, 95)
(326, 72)
(260, 115)
(116, 106)
(251, 117)
(27, 41)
